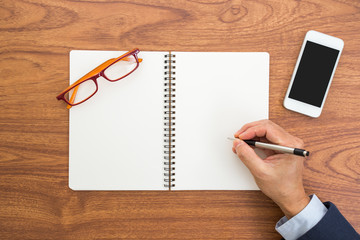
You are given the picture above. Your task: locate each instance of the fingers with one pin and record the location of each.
(263, 131)
(248, 125)
(247, 155)
(269, 130)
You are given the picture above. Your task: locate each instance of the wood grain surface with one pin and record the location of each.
(35, 40)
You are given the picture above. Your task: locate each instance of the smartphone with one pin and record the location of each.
(313, 73)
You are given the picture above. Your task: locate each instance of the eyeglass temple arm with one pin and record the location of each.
(72, 98)
(73, 95)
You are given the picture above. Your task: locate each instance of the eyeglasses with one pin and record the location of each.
(112, 70)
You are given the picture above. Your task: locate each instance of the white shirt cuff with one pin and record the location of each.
(302, 222)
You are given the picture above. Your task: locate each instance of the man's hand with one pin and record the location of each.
(279, 176)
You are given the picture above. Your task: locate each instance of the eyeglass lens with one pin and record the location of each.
(82, 91)
(121, 68)
(87, 88)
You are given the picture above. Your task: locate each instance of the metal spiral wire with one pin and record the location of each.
(169, 120)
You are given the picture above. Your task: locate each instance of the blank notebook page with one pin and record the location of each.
(216, 93)
(116, 137)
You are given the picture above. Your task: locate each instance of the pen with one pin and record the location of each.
(296, 151)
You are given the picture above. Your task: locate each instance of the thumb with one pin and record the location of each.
(247, 155)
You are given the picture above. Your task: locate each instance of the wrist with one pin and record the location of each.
(293, 206)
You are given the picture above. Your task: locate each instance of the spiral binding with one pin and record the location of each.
(169, 120)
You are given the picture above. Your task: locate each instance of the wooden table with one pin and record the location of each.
(36, 37)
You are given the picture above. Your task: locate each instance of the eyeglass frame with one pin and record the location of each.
(94, 75)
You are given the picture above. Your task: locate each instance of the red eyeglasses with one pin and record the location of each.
(112, 70)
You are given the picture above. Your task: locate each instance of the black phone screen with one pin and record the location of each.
(313, 73)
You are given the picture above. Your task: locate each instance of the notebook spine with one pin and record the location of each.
(169, 120)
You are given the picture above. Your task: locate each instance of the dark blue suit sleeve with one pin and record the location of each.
(333, 226)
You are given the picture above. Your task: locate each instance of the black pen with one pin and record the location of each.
(296, 151)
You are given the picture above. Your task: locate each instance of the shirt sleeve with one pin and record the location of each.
(302, 222)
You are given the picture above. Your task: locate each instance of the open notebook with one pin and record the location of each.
(120, 139)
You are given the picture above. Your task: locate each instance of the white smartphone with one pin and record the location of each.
(313, 73)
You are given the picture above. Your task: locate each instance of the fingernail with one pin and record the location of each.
(240, 135)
